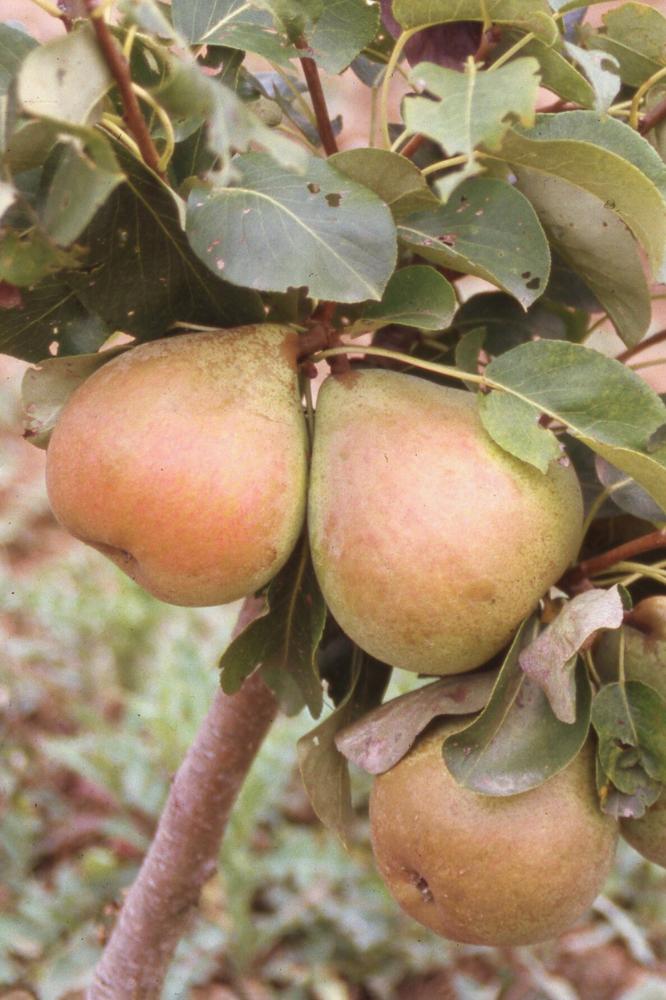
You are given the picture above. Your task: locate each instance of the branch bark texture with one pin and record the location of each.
(184, 851)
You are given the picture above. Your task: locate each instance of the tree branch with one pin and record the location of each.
(184, 851)
(656, 338)
(589, 567)
(120, 71)
(324, 127)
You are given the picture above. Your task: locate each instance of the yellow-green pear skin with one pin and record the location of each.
(644, 647)
(647, 835)
(430, 542)
(185, 461)
(490, 871)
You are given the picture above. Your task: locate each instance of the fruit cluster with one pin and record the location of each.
(185, 460)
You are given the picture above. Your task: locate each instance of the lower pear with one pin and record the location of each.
(647, 835)
(490, 871)
(184, 461)
(430, 542)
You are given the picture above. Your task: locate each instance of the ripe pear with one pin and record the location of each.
(644, 647)
(430, 542)
(491, 871)
(184, 461)
(647, 835)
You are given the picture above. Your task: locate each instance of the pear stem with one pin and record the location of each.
(185, 848)
(324, 126)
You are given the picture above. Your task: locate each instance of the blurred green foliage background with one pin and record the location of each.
(101, 691)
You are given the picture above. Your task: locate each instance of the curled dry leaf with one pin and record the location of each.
(550, 659)
(382, 737)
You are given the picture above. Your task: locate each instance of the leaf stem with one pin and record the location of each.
(630, 352)
(600, 500)
(407, 359)
(311, 74)
(521, 43)
(638, 97)
(165, 121)
(452, 161)
(49, 8)
(120, 71)
(386, 82)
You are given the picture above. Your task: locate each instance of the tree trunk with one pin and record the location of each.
(184, 851)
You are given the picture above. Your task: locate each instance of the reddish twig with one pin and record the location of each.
(413, 145)
(596, 564)
(656, 338)
(120, 71)
(489, 40)
(324, 127)
(184, 851)
(652, 118)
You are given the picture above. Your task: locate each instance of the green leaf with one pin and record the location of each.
(283, 641)
(378, 740)
(49, 312)
(277, 230)
(324, 770)
(517, 742)
(14, 47)
(141, 274)
(395, 179)
(623, 805)
(550, 658)
(65, 79)
(46, 388)
(604, 404)
(630, 721)
(601, 71)
(489, 229)
(514, 424)
(507, 324)
(630, 497)
(82, 182)
(636, 37)
(28, 256)
(597, 245)
(467, 353)
(415, 296)
(557, 73)
(474, 108)
(191, 96)
(343, 29)
(529, 15)
(233, 24)
(606, 158)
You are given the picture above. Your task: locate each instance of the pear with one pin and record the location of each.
(184, 461)
(491, 871)
(644, 647)
(430, 542)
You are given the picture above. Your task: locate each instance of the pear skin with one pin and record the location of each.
(644, 647)
(430, 542)
(490, 871)
(184, 461)
(647, 835)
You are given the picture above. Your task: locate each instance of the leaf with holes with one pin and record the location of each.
(49, 313)
(549, 660)
(282, 642)
(474, 109)
(395, 179)
(597, 245)
(603, 403)
(557, 73)
(233, 24)
(605, 158)
(489, 229)
(601, 69)
(277, 230)
(636, 36)
(630, 722)
(517, 742)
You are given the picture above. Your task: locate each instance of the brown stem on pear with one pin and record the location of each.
(652, 118)
(413, 145)
(120, 71)
(590, 567)
(643, 345)
(311, 74)
(184, 851)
